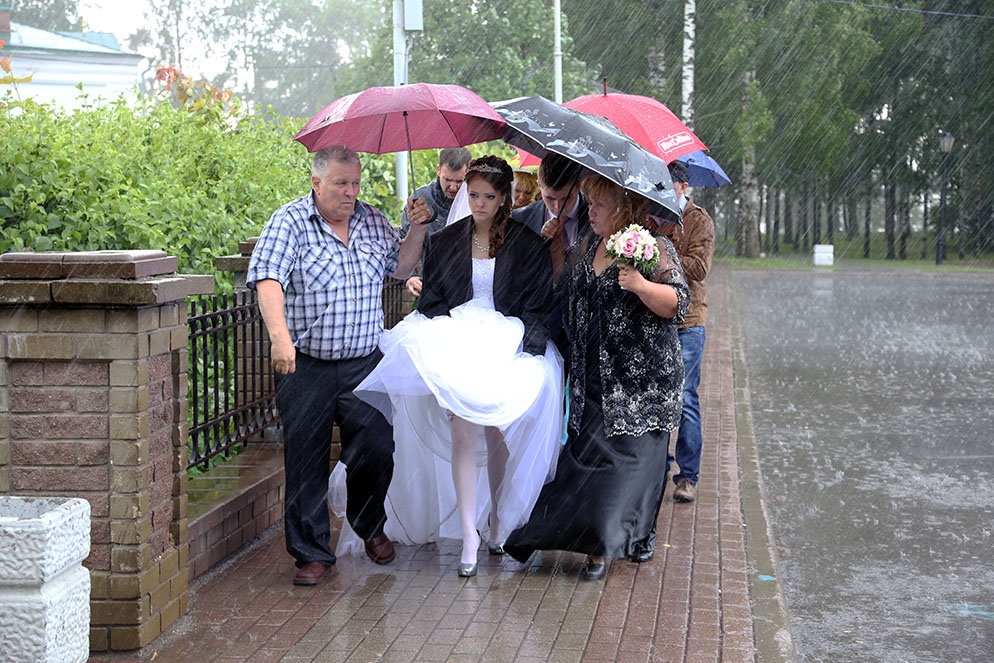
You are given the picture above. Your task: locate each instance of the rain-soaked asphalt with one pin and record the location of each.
(873, 406)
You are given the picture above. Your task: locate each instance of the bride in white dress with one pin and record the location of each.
(470, 381)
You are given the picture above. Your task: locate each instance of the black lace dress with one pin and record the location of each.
(626, 386)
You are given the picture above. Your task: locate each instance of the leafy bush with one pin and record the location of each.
(155, 177)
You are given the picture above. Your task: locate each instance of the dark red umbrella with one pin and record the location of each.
(648, 122)
(403, 117)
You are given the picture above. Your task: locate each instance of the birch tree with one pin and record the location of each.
(687, 78)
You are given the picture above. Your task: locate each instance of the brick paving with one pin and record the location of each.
(690, 604)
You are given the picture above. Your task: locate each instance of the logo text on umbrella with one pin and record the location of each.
(675, 140)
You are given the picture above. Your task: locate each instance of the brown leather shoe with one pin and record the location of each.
(311, 573)
(685, 491)
(380, 549)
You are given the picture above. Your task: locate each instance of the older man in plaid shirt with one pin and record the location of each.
(318, 267)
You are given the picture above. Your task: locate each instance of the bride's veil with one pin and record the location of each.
(460, 205)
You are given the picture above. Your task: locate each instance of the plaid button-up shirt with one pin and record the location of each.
(333, 293)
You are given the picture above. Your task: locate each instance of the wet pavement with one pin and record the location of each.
(691, 604)
(872, 397)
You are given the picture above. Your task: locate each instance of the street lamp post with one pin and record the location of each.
(946, 146)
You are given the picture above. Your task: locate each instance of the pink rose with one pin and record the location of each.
(629, 249)
(648, 252)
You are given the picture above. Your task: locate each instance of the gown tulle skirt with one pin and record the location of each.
(467, 364)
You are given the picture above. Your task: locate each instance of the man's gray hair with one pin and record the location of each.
(339, 153)
(455, 158)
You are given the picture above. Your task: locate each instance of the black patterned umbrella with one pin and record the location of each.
(540, 126)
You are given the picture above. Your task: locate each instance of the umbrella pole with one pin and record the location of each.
(410, 157)
(568, 194)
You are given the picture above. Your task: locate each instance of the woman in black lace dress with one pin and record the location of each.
(626, 383)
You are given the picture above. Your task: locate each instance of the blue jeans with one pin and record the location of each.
(688, 441)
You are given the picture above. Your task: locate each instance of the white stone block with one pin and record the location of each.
(44, 589)
(824, 254)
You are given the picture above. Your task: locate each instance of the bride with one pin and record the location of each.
(470, 381)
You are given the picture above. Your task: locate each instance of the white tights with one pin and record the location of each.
(464, 479)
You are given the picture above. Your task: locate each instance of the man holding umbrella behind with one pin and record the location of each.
(318, 268)
(694, 242)
(431, 203)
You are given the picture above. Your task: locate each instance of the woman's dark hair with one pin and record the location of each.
(500, 176)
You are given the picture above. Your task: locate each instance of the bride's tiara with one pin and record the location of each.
(485, 168)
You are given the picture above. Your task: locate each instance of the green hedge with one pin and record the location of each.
(157, 177)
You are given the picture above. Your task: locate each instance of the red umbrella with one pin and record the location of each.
(527, 159)
(648, 122)
(403, 117)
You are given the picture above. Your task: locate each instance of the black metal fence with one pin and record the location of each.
(394, 306)
(232, 393)
(232, 390)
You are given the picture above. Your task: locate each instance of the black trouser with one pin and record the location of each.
(313, 398)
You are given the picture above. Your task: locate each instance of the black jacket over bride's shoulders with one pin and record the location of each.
(522, 277)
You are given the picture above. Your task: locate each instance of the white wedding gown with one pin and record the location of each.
(468, 363)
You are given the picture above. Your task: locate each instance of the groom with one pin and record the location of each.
(561, 218)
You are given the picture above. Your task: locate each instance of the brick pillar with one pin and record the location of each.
(238, 264)
(93, 404)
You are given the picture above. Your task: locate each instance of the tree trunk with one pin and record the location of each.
(746, 242)
(731, 212)
(961, 223)
(687, 80)
(788, 221)
(707, 198)
(802, 216)
(180, 37)
(776, 221)
(657, 57)
(904, 216)
(924, 253)
(889, 213)
(866, 220)
(852, 223)
(830, 221)
(985, 213)
(979, 225)
(816, 212)
(747, 223)
(759, 220)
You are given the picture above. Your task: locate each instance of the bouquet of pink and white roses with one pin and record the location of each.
(634, 246)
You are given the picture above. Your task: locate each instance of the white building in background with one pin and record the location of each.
(61, 61)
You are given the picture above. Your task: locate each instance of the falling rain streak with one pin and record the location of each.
(872, 388)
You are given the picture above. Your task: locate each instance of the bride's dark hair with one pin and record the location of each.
(500, 176)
